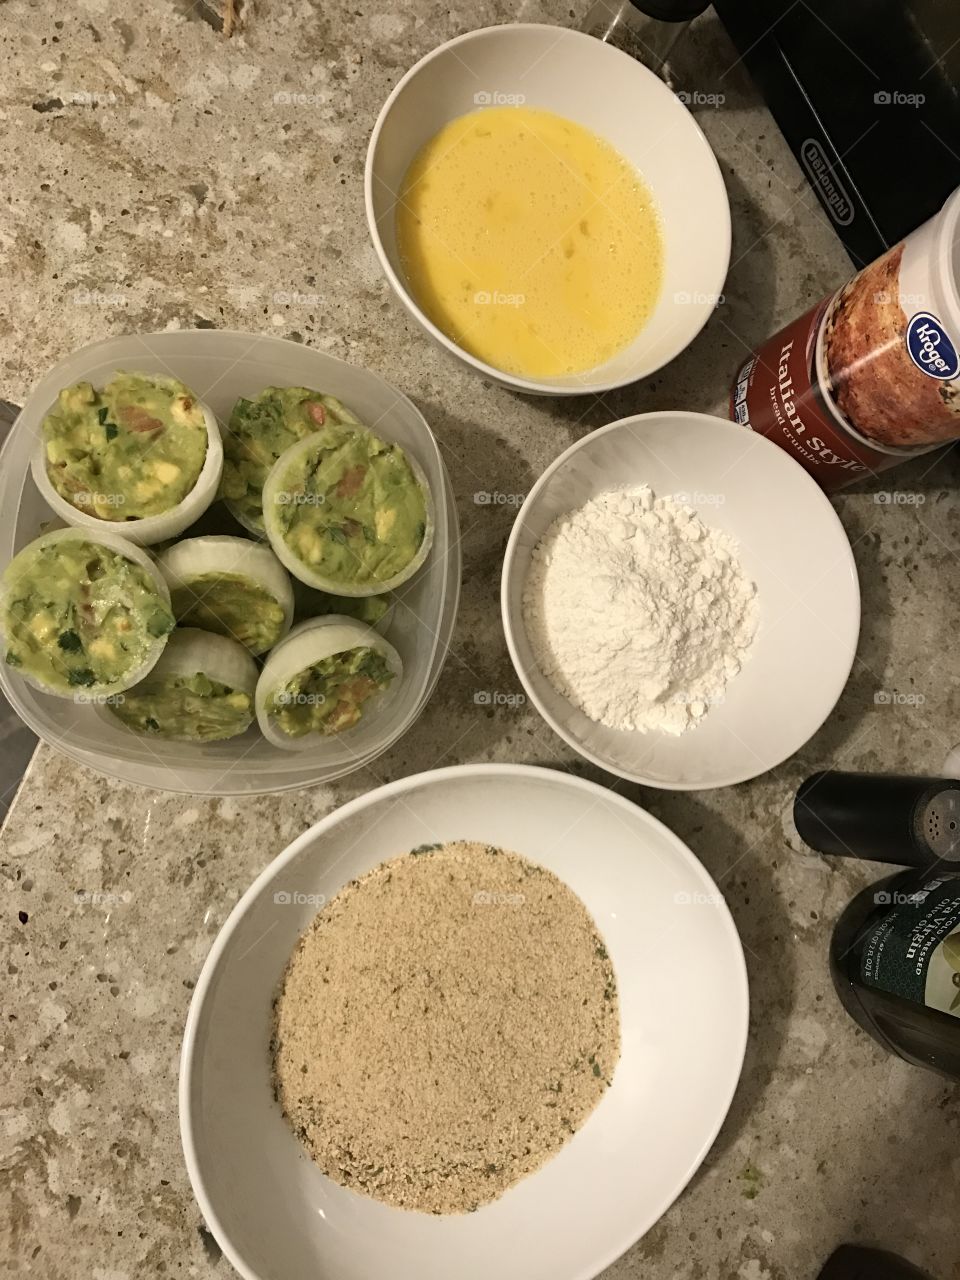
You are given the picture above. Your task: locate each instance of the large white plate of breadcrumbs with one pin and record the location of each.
(482, 1022)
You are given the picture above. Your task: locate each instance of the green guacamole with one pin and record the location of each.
(351, 509)
(132, 450)
(78, 616)
(187, 708)
(232, 605)
(311, 603)
(329, 696)
(260, 430)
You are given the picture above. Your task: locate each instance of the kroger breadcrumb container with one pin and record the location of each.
(869, 376)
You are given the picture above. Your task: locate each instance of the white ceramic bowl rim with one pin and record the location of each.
(532, 385)
(435, 776)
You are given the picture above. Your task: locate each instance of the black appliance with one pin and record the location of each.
(867, 93)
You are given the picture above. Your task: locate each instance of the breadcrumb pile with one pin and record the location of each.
(444, 1026)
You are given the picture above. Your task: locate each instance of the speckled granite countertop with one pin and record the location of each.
(152, 180)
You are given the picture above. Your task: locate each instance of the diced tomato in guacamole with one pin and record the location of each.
(134, 449)
(263, 428)
(329, 695)
(351, 507)
(78, 615)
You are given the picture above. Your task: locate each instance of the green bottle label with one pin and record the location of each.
(913, 949)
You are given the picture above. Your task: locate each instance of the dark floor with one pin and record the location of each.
(16, 740)
(16, 748)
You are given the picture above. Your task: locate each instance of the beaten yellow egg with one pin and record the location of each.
(529, 241)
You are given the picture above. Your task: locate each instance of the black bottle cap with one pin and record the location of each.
(852, 1262)
(671, 10)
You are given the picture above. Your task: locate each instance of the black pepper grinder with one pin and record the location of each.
(911, 822)
(648, 30)
(895, 952)
(853, 1262)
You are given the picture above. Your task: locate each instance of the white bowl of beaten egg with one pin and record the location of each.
(547, 209)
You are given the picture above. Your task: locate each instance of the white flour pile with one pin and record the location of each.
(637, 612)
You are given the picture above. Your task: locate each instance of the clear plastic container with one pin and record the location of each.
(219, 366)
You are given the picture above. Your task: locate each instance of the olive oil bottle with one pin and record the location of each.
(895, 960)
(895, 952)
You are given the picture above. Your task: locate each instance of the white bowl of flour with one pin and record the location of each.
(680, 601)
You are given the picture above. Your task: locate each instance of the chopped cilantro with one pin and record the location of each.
(160, 624)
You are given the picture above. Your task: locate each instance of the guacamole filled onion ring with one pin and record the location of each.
(142, 455)
(260, 430)
(323, 679)
(83, 615)
(230, 586)
(348, 512)
(201, 690)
